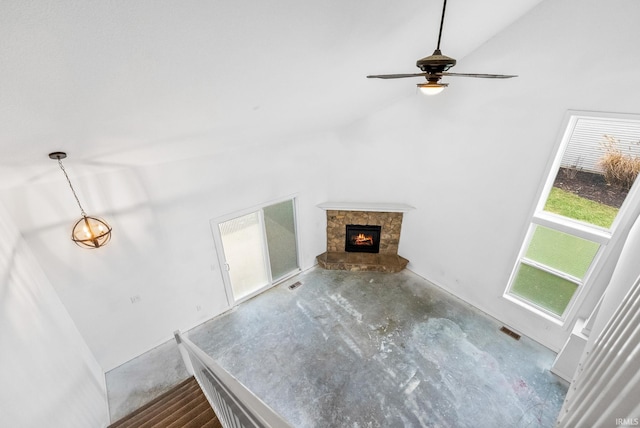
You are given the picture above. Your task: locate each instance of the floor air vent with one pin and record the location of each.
(295, 285)
(511, 333)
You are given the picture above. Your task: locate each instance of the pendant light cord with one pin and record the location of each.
(72, 189)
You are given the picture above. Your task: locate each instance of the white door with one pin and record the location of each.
(257, 249)
(243, 244)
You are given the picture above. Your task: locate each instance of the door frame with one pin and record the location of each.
(222, 263)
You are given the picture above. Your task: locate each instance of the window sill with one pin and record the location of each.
(547, 316)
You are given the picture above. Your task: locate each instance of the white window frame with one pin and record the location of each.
(607, 238)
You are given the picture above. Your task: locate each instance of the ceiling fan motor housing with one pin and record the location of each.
(436, 63)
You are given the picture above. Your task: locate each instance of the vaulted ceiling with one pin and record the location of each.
(140, 82)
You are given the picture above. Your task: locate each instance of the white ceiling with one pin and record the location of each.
(139, 82)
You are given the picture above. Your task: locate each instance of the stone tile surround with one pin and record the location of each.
(389, 235)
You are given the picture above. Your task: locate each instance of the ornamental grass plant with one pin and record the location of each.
(620, 168)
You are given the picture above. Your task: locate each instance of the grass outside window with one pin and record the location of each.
(570, 205)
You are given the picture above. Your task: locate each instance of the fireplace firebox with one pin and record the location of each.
(362, 238)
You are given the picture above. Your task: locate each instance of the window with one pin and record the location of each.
(578, 212)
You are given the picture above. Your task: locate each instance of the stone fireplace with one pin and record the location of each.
(363, 237)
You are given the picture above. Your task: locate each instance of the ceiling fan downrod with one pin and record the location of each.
(444, 8)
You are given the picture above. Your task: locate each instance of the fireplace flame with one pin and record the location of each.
(362, 239)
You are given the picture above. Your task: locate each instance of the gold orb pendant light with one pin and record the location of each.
(88, 232)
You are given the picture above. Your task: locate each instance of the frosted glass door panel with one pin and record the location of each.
(243, 242)
(281, 238)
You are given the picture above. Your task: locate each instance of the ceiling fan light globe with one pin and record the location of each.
(431, 88)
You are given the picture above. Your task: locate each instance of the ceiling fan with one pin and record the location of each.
(435, 66)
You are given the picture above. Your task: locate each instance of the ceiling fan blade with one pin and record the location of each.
(481, 75)
(396, 76)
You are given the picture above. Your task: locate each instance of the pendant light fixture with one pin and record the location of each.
(88, 232)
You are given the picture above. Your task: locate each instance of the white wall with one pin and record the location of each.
(49, 377)
(472, 159)
(162, 253)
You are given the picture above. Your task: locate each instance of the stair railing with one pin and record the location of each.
(233, 403)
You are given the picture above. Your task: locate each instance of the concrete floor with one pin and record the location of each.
(348, 349)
